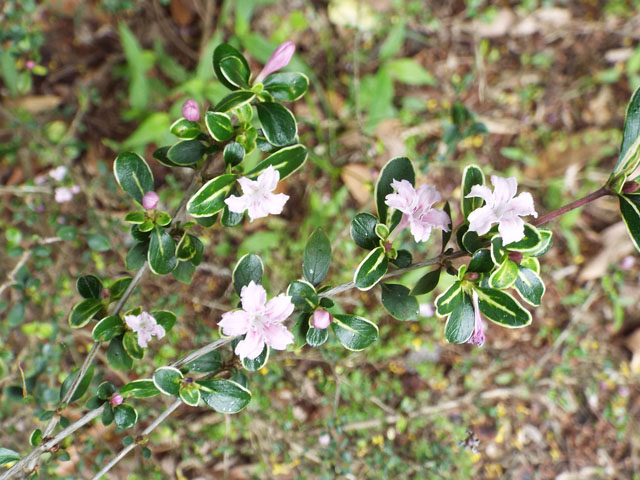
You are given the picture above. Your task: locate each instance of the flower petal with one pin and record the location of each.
(482, 192)
(253, 298)
(405, 197)
(235, 323)
(277, 336)
(251, 346)
(523, 205)
(427, 195)
(143, 338)
(279, 308)
(480, 220)
(268, 179)
(236, 204)
(437, 219)
(248, 186)
(504, 189)
(511, 229)
(275, 203)
(420, 230)
(133, 322)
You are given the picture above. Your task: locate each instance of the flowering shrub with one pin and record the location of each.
(490, 251)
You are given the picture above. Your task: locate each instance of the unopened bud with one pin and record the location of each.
(630, 187)
(116, 399)
(150, 200)
(321, 319)
(515, 257)
(191, 110)
(472, 276)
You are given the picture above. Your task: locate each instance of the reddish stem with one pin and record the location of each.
(571, 206)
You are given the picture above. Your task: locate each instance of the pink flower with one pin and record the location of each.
(145, 326)
(321, 319)
(116, 399)
(477, 337)
(65, 194)
(257, 198)
(260, 320)
(416, 206)
(150, 200)
(58, 173)
(280, 58)
(191, 110)
(30, 64)
(502, 207)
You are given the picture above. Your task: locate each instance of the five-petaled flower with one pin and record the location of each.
(417, 209)
(280, 58)
(502, 207)
(145, 326)
(260, 320)
(257, 197)
(477, 337)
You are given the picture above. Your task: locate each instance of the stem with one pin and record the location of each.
(602, 192)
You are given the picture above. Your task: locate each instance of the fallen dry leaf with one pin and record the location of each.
(359, 180)
(616, 245)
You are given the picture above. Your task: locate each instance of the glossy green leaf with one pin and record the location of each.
(630, 147)
(225, 51)
(209, 200)
(471, 176)
(141, 388)
(461, 321)
(164, 318)
(403, 259)
(190, 394)
(481, 261)
(286, 86)
(224, 396)
(530, 242)
(135, 217)
(105, 390)
(371, 269)
(502, 308)
(130, 344)
(398, 301)
(427, 283)
(162, 252)
(249, 268)
(167, 380)
(234, 100)
(530, 286)
(183, 128)
(505, 275)
(285, 161)
(133, 175)
(255, 364)
(316, 337)
(84, 311)
(472, 242)
(89, 286)
(545, 244)
(303, 295)
(108, 328)
(186, 249)
(630, 210)
(219, 126)
(498, 252)
(160, 155)
(137, 256)
(446, 235)
(278, 123)
(354, 333)
(125, 416)
(398, 168)
(235, 71)
(208, 363)
(118, 288)
(233, 154)
(448, 300)
(36, 438)
(363, 231)
(317, 257)
(8, 456)
(229, 218)
(83, 386)
(186, 152)
(117, 357)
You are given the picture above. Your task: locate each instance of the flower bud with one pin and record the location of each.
(116, 399)
(515, 257)
(191, 110)
(30, 64)
(280, 58)
(630, 187)
(150, 200)
(321, 319)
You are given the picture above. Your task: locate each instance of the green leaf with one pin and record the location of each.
(278, 123)
(118, 288)
(225, 51)
(36, 438)
(545, 244)
(354, 333)
(363, 231)
(446, 235)
(403, 259)
(105, 390)
(137, 256)
(529, 285)
(107, 415)
(209, 200)
(498, 252)
(229, 218)
(461, 321)
(9, 72)
(186, 152)
(316, 337)
(530, 242)
(89, 286)
(630, 147)
(371, 269)
(130, 344)
(286, 86)
(117, 357)
(427, 283)
(161, 156)
(164, 318)
(133, 175)
(234, 100)
(481, 261)
(448, 300)
(400, 304)
(407, 70)
(167, 380)
(505, 275)
(219, 126)
(135, 217)
(630, 210)
(186, 249)
(84, 311)
(471, 241)
(502, 308)
(317, 257)
(125, 416)
(253, 365)
(183, 128)
(190, 394)
(249, 268)
(233, 154)
(382, 231)
(399, 168)
(303, 295)
(224, 396)
(235, 71)
(208, 363)
(162, 252)
(142, 388)
(471, 176)
(98, 243)
(285, 161)
(108, 328)
(83, 386)
(8, 456)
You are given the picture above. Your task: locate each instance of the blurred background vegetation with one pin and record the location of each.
(536, 89)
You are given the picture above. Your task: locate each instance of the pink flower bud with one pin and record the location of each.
(150, 200)
(630, 187)
(191, 110)
(116, 399)
(321, 319)
(30, 64)
(515, 256)
(280, 58)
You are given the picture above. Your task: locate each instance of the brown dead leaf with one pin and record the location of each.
(359, 181)
(36, 103)
(615, 246)
(181, 12)
(501, 24)
(389, 131)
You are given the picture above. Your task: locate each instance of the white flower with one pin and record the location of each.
(65, 194)
(145, 326)
(58, 173)
(257, 197)
(502, 207)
